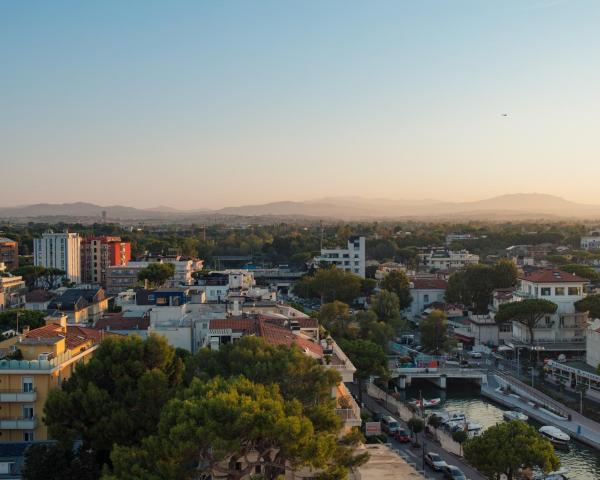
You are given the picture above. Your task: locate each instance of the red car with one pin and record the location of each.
(402, 435)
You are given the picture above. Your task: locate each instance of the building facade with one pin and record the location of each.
(443, 259)
(48, 357)
(591, 241)
(9, 253)
(563, 330)
(425, 291)
(59, 250)
(351, 259)
(99, 253)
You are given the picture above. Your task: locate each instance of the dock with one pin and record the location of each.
(542, 408)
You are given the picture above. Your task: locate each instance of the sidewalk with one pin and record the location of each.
(577, 426)
(390, 408)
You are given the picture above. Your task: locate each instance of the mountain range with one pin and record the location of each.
(504, 207)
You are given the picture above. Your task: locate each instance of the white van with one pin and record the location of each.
(390, 425)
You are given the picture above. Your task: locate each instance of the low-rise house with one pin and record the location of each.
(425, 291)
(38, 299)
(81, 305)
(125, 323)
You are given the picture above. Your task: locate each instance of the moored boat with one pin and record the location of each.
(555, 435)
(434, 402)
(514, 415)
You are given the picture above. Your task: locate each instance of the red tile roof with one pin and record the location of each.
(429, 283)
(552, 275)
(272, 333)
(74, 335)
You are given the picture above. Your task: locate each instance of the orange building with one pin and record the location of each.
(33, 364)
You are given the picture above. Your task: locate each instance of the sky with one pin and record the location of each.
(207, 104)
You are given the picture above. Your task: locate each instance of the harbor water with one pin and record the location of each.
(582, 461)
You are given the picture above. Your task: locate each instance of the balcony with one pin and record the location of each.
(17, 396)
(18, 423)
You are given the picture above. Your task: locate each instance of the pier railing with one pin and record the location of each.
(525, 390)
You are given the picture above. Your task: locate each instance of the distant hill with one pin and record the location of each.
(505, 207)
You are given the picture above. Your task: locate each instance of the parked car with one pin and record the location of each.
(435, 461)
(402, 435)
(475, 354)
(453, 473)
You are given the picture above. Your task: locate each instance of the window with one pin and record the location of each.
(426, 298)
(28, 411)
(7, 468)
(548, 320)
(28, 384)
(573, 290)
(558, 291)
(546, 291)
(28, 436)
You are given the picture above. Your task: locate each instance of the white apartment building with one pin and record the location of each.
(591, 241)
(443, 259)
(352, 258)
(563, 330)
(59, 250)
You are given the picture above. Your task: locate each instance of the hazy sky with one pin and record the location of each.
(206, 104)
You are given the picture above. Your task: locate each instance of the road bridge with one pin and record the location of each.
(439, 376)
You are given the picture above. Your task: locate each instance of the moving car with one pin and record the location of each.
(390, 425)
(453, 473)
(402, 435)
(435, 461)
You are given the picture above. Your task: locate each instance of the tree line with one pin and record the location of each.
(140, 409)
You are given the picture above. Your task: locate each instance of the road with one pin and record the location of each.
(416, 454)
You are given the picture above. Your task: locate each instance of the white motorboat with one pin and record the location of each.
(558, 475)
(474, 429)
(514, 415)
(452, 416)
(555, 435)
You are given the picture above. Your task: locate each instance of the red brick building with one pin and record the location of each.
(99, 253)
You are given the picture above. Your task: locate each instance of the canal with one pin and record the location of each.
(583, 462)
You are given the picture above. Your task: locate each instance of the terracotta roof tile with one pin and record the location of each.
(272, 333)
(74, 335)
(429, 283)
(552, 275)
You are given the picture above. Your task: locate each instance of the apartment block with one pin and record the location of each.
(99, 253)
(9, 253)
(351, 258)
(34, 364)
(59, 250)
